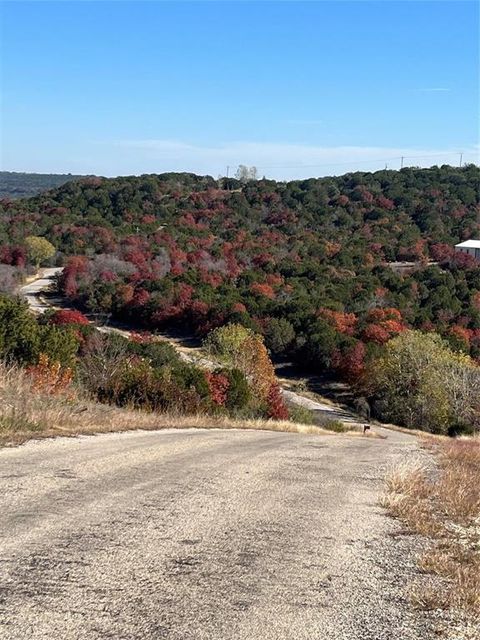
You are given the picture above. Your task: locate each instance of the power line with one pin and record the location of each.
(377, 161)
(353, 161)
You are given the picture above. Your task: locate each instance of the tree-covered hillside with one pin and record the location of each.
(306, 263)
(14, 184)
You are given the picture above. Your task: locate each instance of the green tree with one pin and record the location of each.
(39, 249)
(158, 353)
(420, 382)
(243, 349)
(225, 343)
(238, 394)
(59, 343)
(279, 334)
(19, 336)
(23, 339)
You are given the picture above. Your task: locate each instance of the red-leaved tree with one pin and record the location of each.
(218, 385)
(277, 409)
(68, 316)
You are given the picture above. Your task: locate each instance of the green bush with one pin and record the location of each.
(238, 394)
(420, 382)
(135, 386)
(336, 425)
(59, 343)
(181, 389)
(302, 415)
(157, 353)
(23, 338)
(279, 334)
(226, 343)
(189, 377)
(19, 336)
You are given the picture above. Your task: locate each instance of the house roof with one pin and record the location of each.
(469, 244)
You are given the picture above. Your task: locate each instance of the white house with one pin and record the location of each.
(472, 247)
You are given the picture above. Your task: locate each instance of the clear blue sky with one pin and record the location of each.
(296, 88)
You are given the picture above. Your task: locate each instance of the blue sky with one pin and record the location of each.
(296, 88)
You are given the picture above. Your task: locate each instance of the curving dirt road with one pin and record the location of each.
(203, 535)
(32, 292)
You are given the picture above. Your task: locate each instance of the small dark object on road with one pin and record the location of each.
(366, 427)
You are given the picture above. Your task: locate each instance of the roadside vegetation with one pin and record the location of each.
(417, 380)
(29, 409)
(443, 504)
(58, 372)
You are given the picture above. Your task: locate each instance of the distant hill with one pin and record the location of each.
(307, 263)
(24, 185)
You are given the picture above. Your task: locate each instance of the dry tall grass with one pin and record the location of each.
(26, 412)
(444, 504)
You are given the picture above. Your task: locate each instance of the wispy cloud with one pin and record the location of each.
(274, 160)
(277, 160)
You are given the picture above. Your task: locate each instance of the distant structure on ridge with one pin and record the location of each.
(472, 247)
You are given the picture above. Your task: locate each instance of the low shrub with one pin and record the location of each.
(23, 338)
(158, 353)
(49, 377)
(335, 425)
(218, 385)
(238, 393)
(68, 317)
(301, 415)
(59, 344)
(276, 407)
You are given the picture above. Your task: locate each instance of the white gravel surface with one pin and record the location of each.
(204, 535)
(32, 291)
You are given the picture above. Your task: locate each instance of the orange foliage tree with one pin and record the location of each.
(343, 322)
(383, 324)
(263, 289)
(245, 350)
(49, 376)
(255, 362)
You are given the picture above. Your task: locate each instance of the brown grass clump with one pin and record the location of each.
(410, 431)
(27, 412)
(444, 505)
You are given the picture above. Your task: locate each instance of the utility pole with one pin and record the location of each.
(461, 158)
(401, 163)
(228, 169)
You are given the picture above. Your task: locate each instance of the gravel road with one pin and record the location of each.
(33, 290)
(203, 535)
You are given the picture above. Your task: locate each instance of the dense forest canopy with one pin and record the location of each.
(307, 263)
(15, 184)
